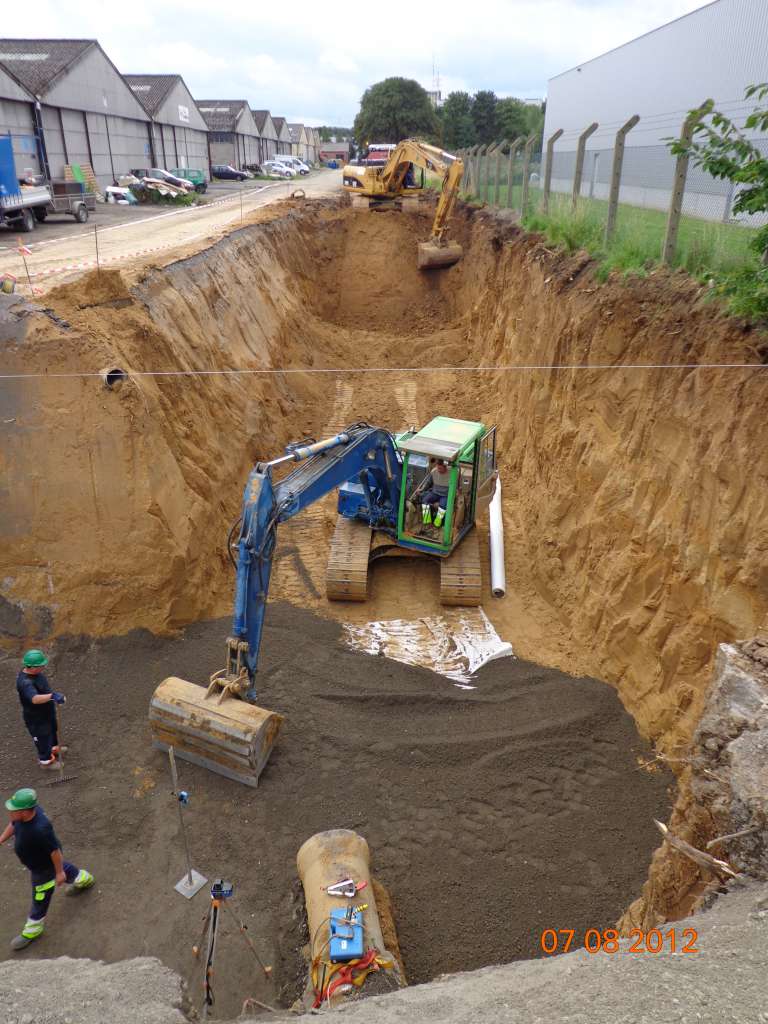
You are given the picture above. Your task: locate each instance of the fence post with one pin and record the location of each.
(497, 183)
(510, 169)
(548, 173)
(678, 191)
(618, 160)
(467, 179)
(526, 166)
(578, 171)
(491, 149)
(478, 169)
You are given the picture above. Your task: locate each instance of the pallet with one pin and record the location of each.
(346, 578)
(461, 577)
(83, 173)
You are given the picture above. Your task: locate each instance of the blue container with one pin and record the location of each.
(346, 935)
(9, 182)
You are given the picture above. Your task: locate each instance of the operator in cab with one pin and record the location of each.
(435, 499)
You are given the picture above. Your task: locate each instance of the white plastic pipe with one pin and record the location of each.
(496, 536)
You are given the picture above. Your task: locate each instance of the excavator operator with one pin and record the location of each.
(434, 501)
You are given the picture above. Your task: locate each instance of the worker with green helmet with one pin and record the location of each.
(38, 707)
(38, 848)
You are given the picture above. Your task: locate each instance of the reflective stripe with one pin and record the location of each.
(32, 929)
(43, 887)
(84, 878)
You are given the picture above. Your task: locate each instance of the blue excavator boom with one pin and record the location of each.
(361, 452)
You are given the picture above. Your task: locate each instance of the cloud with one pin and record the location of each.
(316, 61)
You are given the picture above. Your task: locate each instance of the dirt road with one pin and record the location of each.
(52, 261)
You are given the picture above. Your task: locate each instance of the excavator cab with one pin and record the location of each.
(468, 451)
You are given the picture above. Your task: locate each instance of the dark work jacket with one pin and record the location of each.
(39, 715)
(34, 841)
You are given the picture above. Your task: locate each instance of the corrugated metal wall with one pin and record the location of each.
(16, 119)
(715, 52)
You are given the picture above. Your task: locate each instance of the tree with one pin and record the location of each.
(512, 118)
(722, 149)
(395, 109)
(458, 126)
(484, 116)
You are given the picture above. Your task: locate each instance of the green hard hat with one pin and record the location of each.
(35, 659)
(22, 800)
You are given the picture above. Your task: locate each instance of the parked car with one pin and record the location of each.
(294, 162)
(162, 175)
(197, 178)
(277, 168)
(227, 173)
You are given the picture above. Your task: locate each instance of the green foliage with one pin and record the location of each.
(484, 116)
(512, 118)
(458, 126)
(725, 256)
(721, 148)
(328, 132)
(395, 109)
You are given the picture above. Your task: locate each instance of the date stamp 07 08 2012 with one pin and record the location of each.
(560, 940)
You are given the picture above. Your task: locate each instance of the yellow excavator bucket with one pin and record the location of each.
(434, 254)
(215, 730)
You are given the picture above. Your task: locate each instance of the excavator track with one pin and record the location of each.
(461, 577)
(346, 578)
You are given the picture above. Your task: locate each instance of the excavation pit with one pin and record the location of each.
(632, 507)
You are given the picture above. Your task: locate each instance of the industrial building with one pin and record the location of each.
(65, 102)
(716, 51)
(233, 135)
(283, 135)
(179, 134)
(267, 133)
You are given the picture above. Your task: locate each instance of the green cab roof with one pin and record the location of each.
(443, 438)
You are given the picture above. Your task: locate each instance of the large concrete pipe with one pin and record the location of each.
(496, 538)
(324, 860)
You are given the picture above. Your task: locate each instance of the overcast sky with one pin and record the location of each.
(311, 60)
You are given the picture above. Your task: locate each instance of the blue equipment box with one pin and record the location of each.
(9, 183)
(346, 935)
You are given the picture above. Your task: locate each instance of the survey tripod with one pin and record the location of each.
(221, 893)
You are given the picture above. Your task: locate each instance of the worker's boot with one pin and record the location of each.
(426, 514)
(52, 765)
(439, 517)
(32, 930)
(83, 881)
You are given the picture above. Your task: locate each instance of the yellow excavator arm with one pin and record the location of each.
(388, 182)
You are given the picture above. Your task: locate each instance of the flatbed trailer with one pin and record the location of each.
(22, 207)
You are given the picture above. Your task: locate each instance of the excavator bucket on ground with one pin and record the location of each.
(213, 729)
(433, 254)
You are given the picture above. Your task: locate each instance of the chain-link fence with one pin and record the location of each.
(596, 186)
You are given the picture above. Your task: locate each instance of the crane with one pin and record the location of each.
(387, 183)
(381, 479)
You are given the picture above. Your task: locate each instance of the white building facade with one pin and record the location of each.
(715, 52)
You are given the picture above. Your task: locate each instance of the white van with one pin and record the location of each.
(293, 161)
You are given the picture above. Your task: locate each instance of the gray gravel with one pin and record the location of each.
(724, 983)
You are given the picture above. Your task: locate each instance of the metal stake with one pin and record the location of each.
(191, 883)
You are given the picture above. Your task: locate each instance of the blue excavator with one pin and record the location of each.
(384, 486)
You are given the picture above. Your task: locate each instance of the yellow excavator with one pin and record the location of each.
(392, 182)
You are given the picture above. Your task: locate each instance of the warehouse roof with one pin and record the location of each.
(295, 130)
(151, 90)
(221, 115)
(38, 63)
(260, 117)
(278, 122)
